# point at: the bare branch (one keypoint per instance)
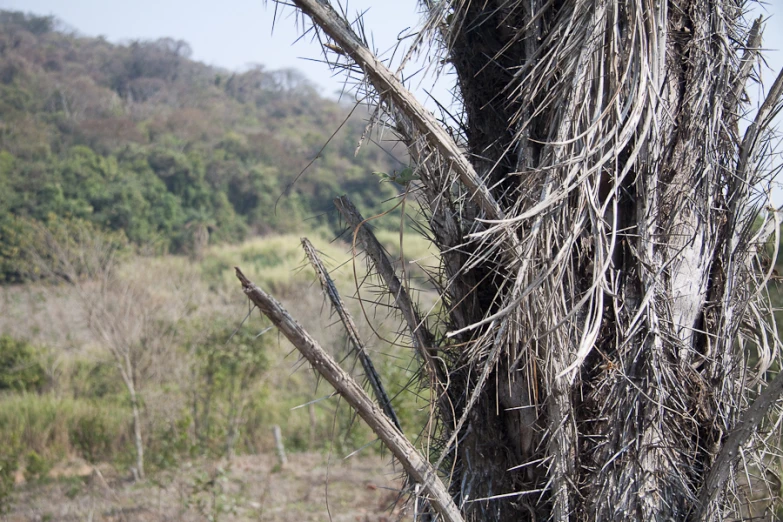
(353, 333)
(422, 338)
(413, 462)
(729, 453)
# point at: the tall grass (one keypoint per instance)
(275, 262)
(85, 411)
(56, 427)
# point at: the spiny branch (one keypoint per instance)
(353, 333)
(391, 88)
(760, 122)
(730, 452)
(422, 338)
(412, 461)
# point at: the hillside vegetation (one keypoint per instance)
(210, 381)
(139, 140)
(132, 181)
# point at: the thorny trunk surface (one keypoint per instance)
(602, 291)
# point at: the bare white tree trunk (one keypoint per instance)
(129, 323)
(138, 442)
(125, 366)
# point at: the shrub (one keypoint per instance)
(91, 436)
(9, 461)
(56, 427)
(19, 371)
(36, 467)
(95, 380)
(169, 443)
(228, 363)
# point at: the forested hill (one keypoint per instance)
(138, 141)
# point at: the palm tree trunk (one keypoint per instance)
(595, 213)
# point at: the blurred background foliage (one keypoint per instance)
(132, 168)
(214, 392)
(140, 140)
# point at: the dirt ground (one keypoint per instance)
(253, 487)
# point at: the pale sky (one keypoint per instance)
(231, 33)
(237, 33)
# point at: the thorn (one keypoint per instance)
(336, 48)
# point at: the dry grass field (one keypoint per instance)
(311, 488)
(70, 438)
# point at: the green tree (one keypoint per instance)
(19, 369)
(229, 362)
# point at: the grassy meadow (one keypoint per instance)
(211, 378)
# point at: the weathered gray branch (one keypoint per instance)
(752, 134)
(422, 339)
(752, 48)
(390, 87)
(353, 333)
(412, 461)
(729, 453)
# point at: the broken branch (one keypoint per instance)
(412, 461)
(353, 333)
(422, 339)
